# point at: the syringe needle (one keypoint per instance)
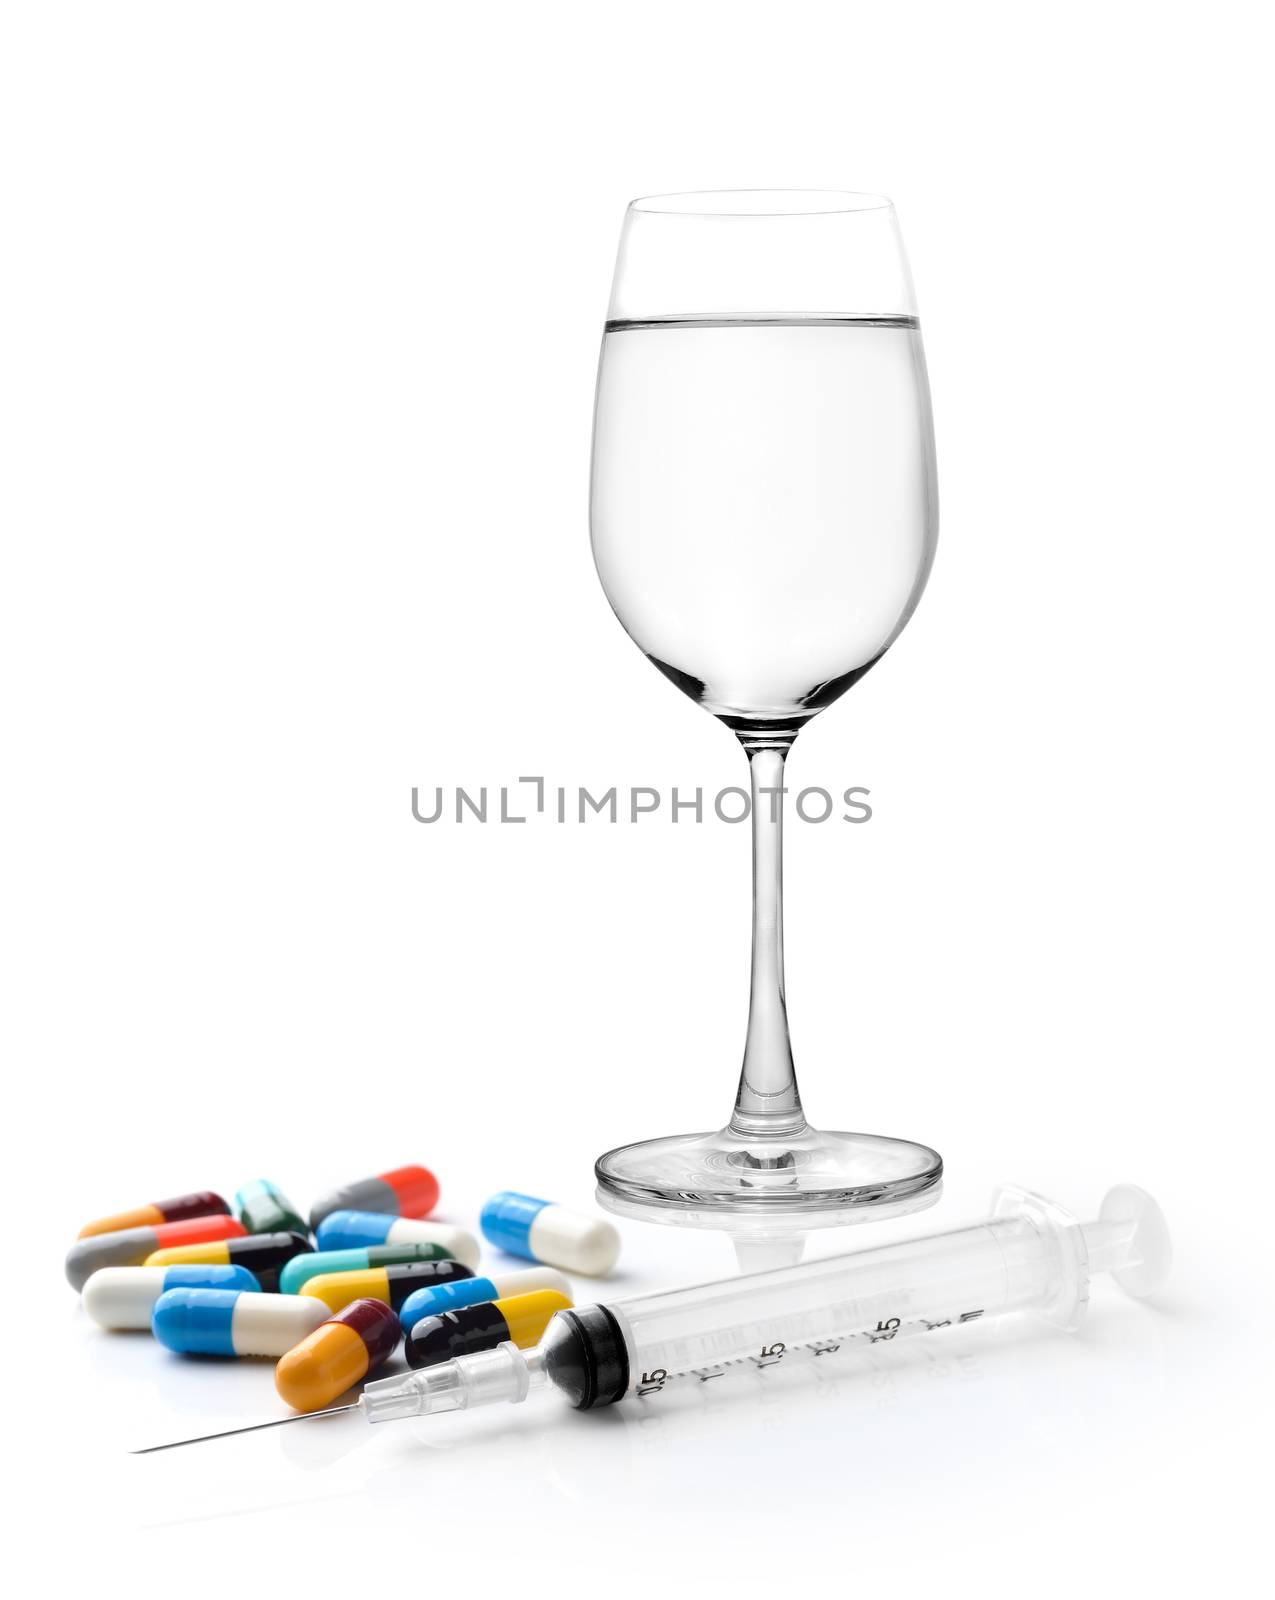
(251, 1427)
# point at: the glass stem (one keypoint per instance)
(768, 1104)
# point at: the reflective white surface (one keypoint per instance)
(301, 319)
(1006, 1429)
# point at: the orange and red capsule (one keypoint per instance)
(203, 1203)
(337, 1355)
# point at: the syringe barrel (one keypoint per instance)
(1002, 1265)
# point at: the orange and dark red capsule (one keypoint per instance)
(337, 1355)
(203, 1203)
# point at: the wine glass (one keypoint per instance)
(764, 513)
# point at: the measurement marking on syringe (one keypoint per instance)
(653, 1381)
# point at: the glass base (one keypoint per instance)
(819, 1178)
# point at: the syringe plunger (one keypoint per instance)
(1130, 1240)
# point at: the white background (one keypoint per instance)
(300, 318)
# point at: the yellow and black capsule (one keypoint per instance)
(390, 1285)
(264, 1255)
(520, 1320)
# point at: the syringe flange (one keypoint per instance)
(1069, 1298)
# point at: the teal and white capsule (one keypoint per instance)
(440, 1297)
(124, 1297)
(539, 1230)
(226, 1322)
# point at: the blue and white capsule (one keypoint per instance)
(124, 1297)
(351, 1230)
(539, 1230)
(440, 1297)
(228, 1322)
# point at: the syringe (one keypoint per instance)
(1029, 1255)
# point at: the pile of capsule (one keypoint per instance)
(331, 1298)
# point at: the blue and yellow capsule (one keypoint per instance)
(520, 1320)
